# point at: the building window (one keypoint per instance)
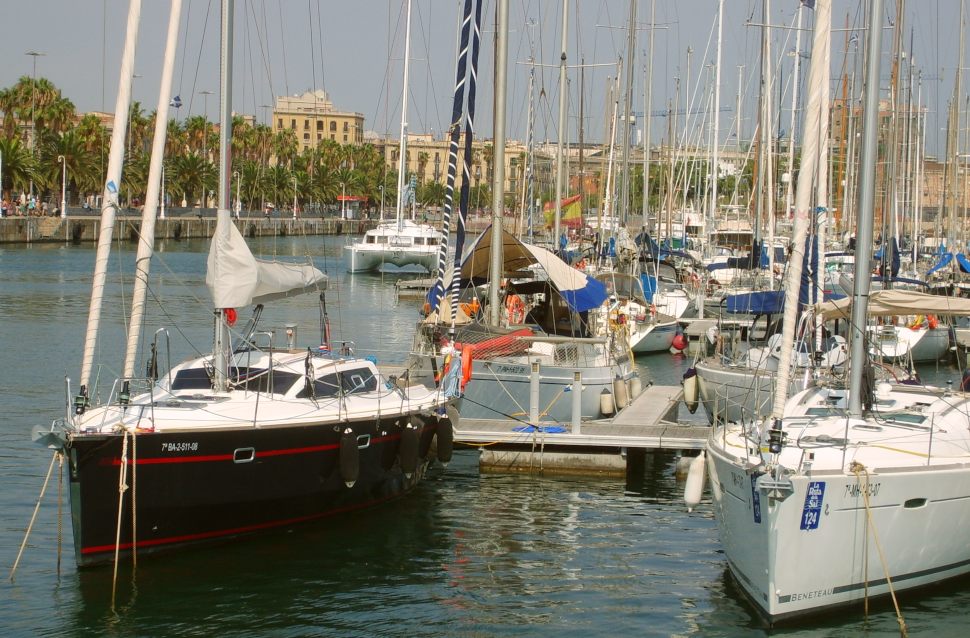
(306, 137)
(345, 138)
(319, 125)
(319, 136)
(279, 123)
(346, 126)
(333, 136)
(293, 124)
(306, 125)
(333, 127)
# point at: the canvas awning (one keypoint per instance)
(580, 291)
(898, 302)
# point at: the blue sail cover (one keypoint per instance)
(945, 260)
(757, 303)
(773, 301)
(649, 283)
(964, 262)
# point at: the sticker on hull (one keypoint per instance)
(812, 511)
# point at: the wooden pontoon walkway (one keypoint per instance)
(649, 422)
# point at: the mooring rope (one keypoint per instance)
(60, 510)
(859, 470)
(33, 517)
(122, 478)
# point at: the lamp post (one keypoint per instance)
(294, 196)
(238, 206)
(33, 85)
(205, 137)
(343, 201)
(62, 160)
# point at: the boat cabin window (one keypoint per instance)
(432, 241)
(382, 239)
(419, 241)
(258, 380)
(369, 239)
(192, 379)
(351, 382)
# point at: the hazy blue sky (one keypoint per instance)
(353, 49)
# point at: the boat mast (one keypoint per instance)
(146, 241)
(401, 161)
(797, 64)
(527, 194)
(953, 145)
(715, 172)
(220, 344)
(562, 123)
(109, 202)
(647, 101)
(498, 172)
(628, 112)
(815, 113)
(867, 173)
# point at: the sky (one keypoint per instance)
(354, 50)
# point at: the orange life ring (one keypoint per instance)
(932, 322)
(515, 309)
(230, 315)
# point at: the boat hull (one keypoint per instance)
(800, 556)
(501, 389)
(192, 486)
(371, 260)
(739, 393)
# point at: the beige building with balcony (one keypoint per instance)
(313, 118)
(427, 159)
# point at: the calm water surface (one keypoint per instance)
(466, 554)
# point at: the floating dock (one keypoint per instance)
(600, 447)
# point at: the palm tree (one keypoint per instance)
(188, 175)
(82, 169)
(18, 165)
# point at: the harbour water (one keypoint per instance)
(466, 554)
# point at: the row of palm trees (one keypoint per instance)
(39, 126)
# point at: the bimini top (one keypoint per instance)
(898, 302)
(580, 291)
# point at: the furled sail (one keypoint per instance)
(236, 278)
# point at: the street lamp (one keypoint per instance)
(60, 158)
(205, 136)
(238, 206)
(294, 197)
(33, 84)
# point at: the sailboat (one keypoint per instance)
(250, 437)
(404, 242)
(861, 497)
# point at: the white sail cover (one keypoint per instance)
(897, 302)
(236, 278)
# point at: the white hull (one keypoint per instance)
(808, 528)
(367, 259)
(655, 337)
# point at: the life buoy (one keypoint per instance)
(230, 315)
(581, 264)
(515, 309)
(467, 354)
(932, 322)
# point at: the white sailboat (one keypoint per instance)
(404, 242)
(839, 504)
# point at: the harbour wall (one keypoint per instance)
(85, 228)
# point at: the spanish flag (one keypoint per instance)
(572, 212)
